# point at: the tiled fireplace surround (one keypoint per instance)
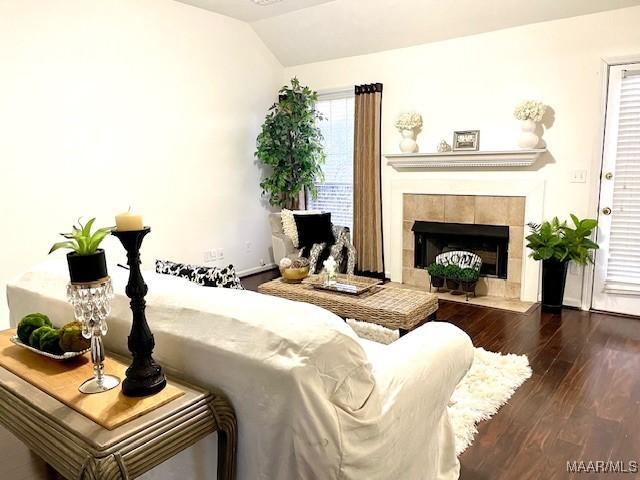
(470, 209)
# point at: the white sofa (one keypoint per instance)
(313, 400)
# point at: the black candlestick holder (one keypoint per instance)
(144, 376)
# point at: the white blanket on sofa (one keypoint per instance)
(312, 401)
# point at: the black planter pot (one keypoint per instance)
(437, 282)
(87, 268)
(554, 277)
(452, 284)
(468, 287)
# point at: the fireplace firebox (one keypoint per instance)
(489, 242)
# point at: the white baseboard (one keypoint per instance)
(261, 268)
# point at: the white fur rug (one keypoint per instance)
(489, 384)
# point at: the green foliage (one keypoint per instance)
(36, 335)
(579, 245)
(558, 241)
(545, 240)
(50, 342)
(468, 275)
(30, 323)
(452, 271)
(436, 269)
(71, 339)
(291, 144)
(81, 240)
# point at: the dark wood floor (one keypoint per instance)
(582, 402)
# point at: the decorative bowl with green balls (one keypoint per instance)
(36, 333)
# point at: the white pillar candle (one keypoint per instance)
(127, 221)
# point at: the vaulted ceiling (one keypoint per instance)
(304, 31)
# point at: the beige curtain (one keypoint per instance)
(367, 187)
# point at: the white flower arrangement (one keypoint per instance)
(409, 121)
(530, 110)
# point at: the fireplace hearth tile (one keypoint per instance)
(515, 211)
(407, 238)
(408, 207)
(407, 257)
(429, 208)
(491, 210)
(512, 290)
(514, 269)
(516, 239)
(459, 208)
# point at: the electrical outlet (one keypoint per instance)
(220, 254)
(247, 247)
(262, 264)
(578, 176)
(209, 256)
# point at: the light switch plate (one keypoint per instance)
(578, 176)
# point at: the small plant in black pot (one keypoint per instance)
(452, 274)
(556, 244)
(87, 263)
(436, 273)
(468, 278)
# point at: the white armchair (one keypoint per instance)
(312, 399)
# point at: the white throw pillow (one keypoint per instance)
(289, 223)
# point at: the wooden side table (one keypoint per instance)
(78, 448)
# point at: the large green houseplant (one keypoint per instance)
(290, 145)
(556, 244)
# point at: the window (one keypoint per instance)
(335, 193)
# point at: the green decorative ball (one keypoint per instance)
(71, 339)
(50, 342)
(36, 335)
(30, 323)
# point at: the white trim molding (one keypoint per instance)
(254, 270)
(526, 185)
(596, 165)
(458, 159)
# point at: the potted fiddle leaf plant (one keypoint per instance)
(436, 275)
(87, 263)
(556, 243)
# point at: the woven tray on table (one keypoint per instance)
(390, 307)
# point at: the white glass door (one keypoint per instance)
(616, 285)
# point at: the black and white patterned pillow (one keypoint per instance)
(224, 277)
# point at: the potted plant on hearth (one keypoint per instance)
(451, 274)
(436, 275)
(87, 263)
(556, 244)
(468, 278)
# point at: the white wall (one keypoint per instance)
(149, 103)
(475, 82)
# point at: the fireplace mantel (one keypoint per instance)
(464, 159)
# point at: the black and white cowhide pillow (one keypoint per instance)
(225, 277)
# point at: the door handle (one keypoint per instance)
(608, 175)
(606, 211)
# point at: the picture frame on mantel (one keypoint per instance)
(466, 140)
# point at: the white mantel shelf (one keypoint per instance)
(467, 158)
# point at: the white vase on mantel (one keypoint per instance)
(408, 143)
(528, 138)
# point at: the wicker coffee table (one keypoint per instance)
(391, 307)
